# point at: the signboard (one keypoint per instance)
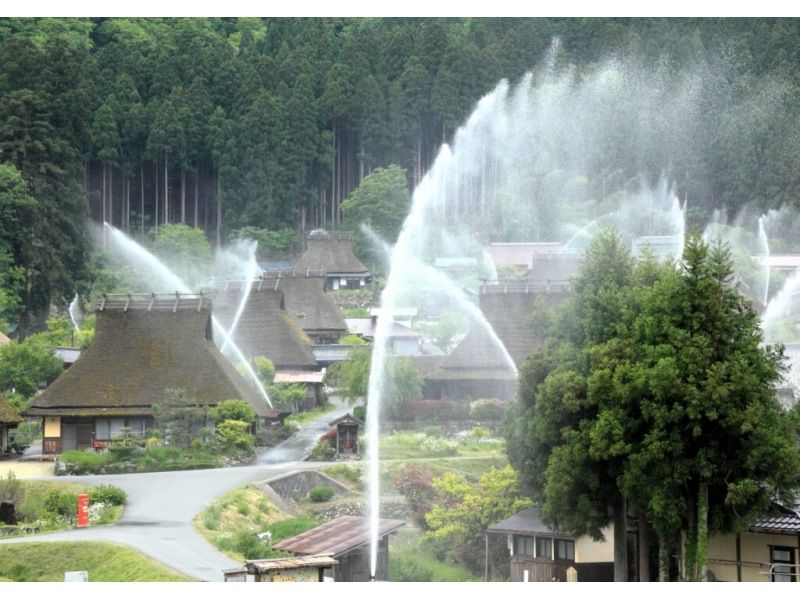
(83, 510)
(76, 576)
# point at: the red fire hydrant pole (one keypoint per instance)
(83, 510)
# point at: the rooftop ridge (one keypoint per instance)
(506, 286)
(153, 302)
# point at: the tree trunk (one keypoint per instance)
(690, 551)
(155, 180)
(620, 541)
(141, 191)
(183, 195)
(702, 532)
(644, 547)
(663, 558)
(333, 171)
(105, 213)
(111, 196)
(196, 193)
(219, 212)
(166, 190)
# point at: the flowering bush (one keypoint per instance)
(414, 482)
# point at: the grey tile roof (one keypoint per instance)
(526, 521)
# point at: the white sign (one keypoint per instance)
(76, 576)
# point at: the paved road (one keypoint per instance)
(158, 517)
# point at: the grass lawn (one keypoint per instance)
(33, 506)
(302, 418)
(411, 560)
(232, 522)
(47, 561)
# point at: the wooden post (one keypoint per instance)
(486, 557)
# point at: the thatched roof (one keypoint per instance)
(508, 309)
(307, 302)
(331, 252)
(143, 347)
(8, 413)
(265, 328)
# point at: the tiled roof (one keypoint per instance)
(526, 521)
(297, 562)
(337, 537)
(331, 353)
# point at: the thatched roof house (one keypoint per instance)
(478, 367)
(9, 418)
(265, 328)
(144, 346)
(307, 302)
(331, 253)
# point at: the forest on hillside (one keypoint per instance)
(226, 123)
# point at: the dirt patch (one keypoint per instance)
(27, 469)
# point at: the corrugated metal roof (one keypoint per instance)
(526, 521)
(331, 353)
(297, 562)
(67, 354)
(337, 537)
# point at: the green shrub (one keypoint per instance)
(61, 503)
(11, 489)
(108, 494)
(320, 493)
(234, 436)
(404, 568)
(233, 410)
(351, 472)
(323, 451)
(251, 547)
(487, 409)
(288, 528)
(85, 462)
(273, 435)
(360, 412)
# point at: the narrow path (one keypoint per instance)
(158, 517)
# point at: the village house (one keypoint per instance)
(9, 418)
(346, 539)
(144, 346)
(264, 328)
(401, 338)
(769, 550)
(332, 254)
(307, 302)
(478, 367)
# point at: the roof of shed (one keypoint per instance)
(295, 562)
(337, 537)
(8, 413)
(526, 521)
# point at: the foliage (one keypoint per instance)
(304, 417)
(411, 559)
(360, 412)
(180, 418)
(26, 365)
(351, 376)
(108, 494)
(265, 370)
(488, 409)
(287, 396)
(445, 329)
(234, 437)
(351, 473)
(184, 249)
(271, 243)
(232, 409)
(431, 410)
(324, 450)
(85, 462)
(353, 339)
(415, 483)
(462, 511)
(320, 493)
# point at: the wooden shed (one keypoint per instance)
(347, 428)
(299, 568)
(346, 539)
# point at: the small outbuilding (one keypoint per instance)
(332, 253)
(299, 568)
(347, 539)
(347, 428)
(9, 418)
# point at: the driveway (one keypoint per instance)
(158, 517)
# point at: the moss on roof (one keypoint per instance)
(308, 303)
(265, 328)
(331, 252)
(138, 355)
(8, 413)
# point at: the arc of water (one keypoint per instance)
(762, 237)
(75, 312)
(252, 268)
(156, 266)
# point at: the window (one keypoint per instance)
(102, 430)
(117, 423)
(523, 545)
(544, 548)
(782, 563)
(565, 550)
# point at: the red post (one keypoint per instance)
(83, 510)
